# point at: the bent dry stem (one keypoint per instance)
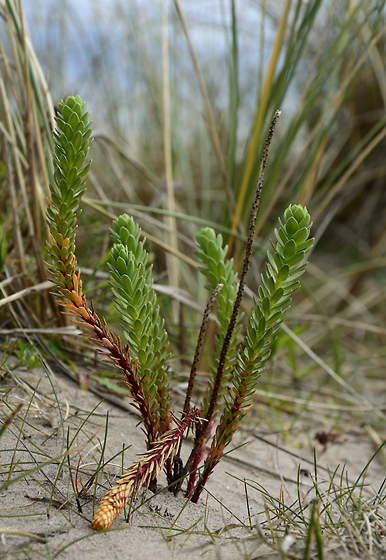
(144, 360)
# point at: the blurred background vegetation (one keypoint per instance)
(181, 94)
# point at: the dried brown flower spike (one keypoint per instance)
(142, 472)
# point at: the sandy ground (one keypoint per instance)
(224, 524)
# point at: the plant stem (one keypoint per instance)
(197, 355)
(200, 341)
(76, 304)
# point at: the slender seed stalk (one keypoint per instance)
(247, 262)
(192, 376)
(218, 269)
(236, 307)
(200, 342)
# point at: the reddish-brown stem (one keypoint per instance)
(223, 436)
(189, 390)
(111, 347)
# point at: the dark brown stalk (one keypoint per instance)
(236, 307)
(200, 342)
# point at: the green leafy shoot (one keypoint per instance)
(280, 281)
(71, 149)
(136, 303)
(72, 145)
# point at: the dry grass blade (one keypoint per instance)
(330, 371)
(24, 534)
(260, 117)
(211, 122)
(43, 286)
(27, 142)
(172, 260)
